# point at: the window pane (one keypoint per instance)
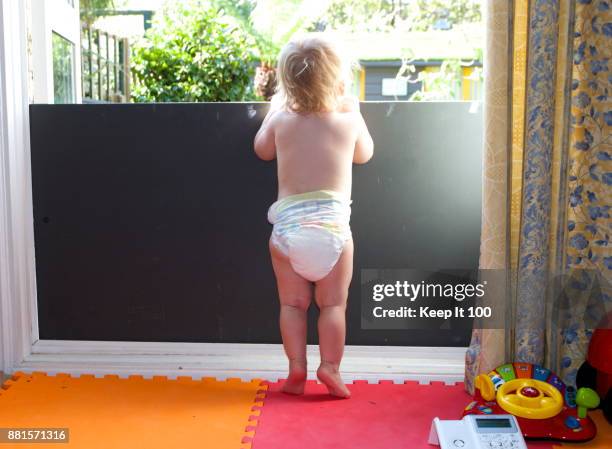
(63, 70)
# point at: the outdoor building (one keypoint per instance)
(381, 56)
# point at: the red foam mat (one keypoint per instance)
(381, 416)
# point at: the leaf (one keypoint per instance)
(279, 20)
(195, 53)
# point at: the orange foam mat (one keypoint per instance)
(134, 412)
(603, 440)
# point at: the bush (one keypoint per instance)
(194, 53)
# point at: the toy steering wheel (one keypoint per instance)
(530, 398)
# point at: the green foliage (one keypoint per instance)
(361, 15)
(194, 52)
(384, 15)
(441, 85)
(272, 23)
(432, 12)
(63, 62)
(90, 9)
(276, 21)
(240, 9)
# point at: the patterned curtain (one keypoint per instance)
(547, 175)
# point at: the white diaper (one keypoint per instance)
(311, 229)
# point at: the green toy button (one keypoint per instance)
(586, 398)
(506, 372)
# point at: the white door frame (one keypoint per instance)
(20, 346)
(48, 17)
(17, 291)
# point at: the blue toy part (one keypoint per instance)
(572, 423)
(570, 396)
(540, 373)
(556, 382)
(497, 380)
(485, 410)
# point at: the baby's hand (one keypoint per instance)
(349, 103)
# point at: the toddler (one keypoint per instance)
(315, 132)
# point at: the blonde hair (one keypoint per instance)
(310, 75)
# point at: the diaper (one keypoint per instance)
(311, 229)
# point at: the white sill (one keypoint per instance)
(245, 361)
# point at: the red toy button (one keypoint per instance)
(530, 392)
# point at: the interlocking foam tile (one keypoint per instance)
(603, 440)
(381, 416)
(133, 413)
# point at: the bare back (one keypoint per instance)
(314, 152)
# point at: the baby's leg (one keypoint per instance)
(331, 294)
(295, 294)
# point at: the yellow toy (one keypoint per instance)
(543, 405)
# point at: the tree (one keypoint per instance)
(444, 14)
(194, 52)
(240, 9)
(385, 15)
(443, 84)
(90, 9)
(359, 15)
(440, 85)
(271, 23)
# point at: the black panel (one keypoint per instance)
(150, 219)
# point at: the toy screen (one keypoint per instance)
(493, 423)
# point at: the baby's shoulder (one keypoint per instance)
(281, 116)
(351, 119)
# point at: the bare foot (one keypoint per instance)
(328, 374)
(297, 378)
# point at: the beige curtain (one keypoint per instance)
(488, 346)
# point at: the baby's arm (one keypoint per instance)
(364, 146)
(349, 103)
(264, 144)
